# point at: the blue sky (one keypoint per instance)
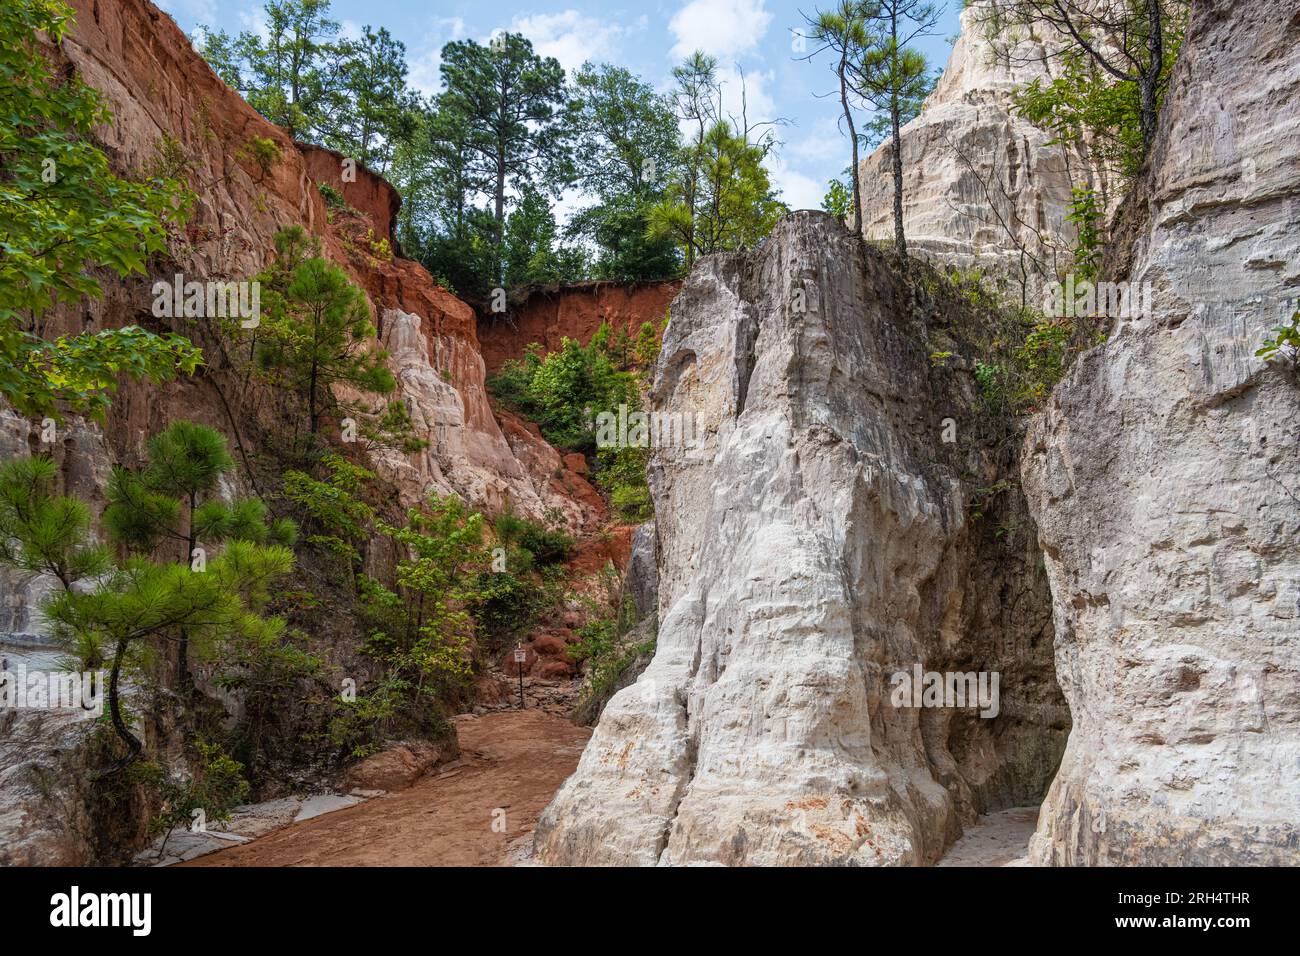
(649, 38)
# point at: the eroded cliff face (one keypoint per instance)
(158, 87)
(168, 104)
(548, 315)
(983, 187)
(1164, 479)
(816, 543)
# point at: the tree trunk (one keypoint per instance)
(1149, 79)
(184, 686)
(853, 139)
(312, 414)
(900, 242)
(114, 707)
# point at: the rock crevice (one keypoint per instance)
(812, 547)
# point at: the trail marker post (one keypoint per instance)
(521, 656)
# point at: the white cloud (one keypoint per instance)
(748, 98)
(721, 28)
(254, 21)
(825, 143)
(571, 37)
(422, 71)
(350, 30)
(799, 191)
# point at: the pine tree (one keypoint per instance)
(171, 500)
(895, 78)
(103, 612)
(316, 331)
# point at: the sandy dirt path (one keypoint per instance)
(996, 839)
(511, 760)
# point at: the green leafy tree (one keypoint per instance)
(292, 75)
(64, 214)
(418, 625)
(439, 221)
(333, 515)
(838, 200)
(564, 390)
(696, 80)
(215, 788)
(531, 254)
(142, 602)
(374, 108)
(1087, 106)
(730, 204)
(1129, 45)
(627, 150)
(316, 331)
(510, 104)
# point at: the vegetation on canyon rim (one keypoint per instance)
(563, 391)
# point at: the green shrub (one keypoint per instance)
(604, 643)
(621, 472)
(217, 786)
(563, 391)
(543, 544)
(1284, 343)
(333, 198)
(335, 519)
(511, 602)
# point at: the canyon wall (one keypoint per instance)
(1165, 479)
(550, 314)
(160, 89)
(983, 188)
(168, 104)
(816, 543)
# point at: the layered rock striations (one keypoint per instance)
(550, 314)
(983, 187)
(162, 92)
(1165, 479)
(171, 110)
(817, 542)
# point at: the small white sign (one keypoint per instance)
(521, 655)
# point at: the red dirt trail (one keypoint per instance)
(514, 760)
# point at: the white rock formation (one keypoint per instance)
(983, 188)
(441, 379)
(1165, 478)
(816, 545)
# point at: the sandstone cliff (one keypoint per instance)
(161, 91)
(169, 106)
(983, 187)
(817, 543)
(548, 315)
(1164, 477)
